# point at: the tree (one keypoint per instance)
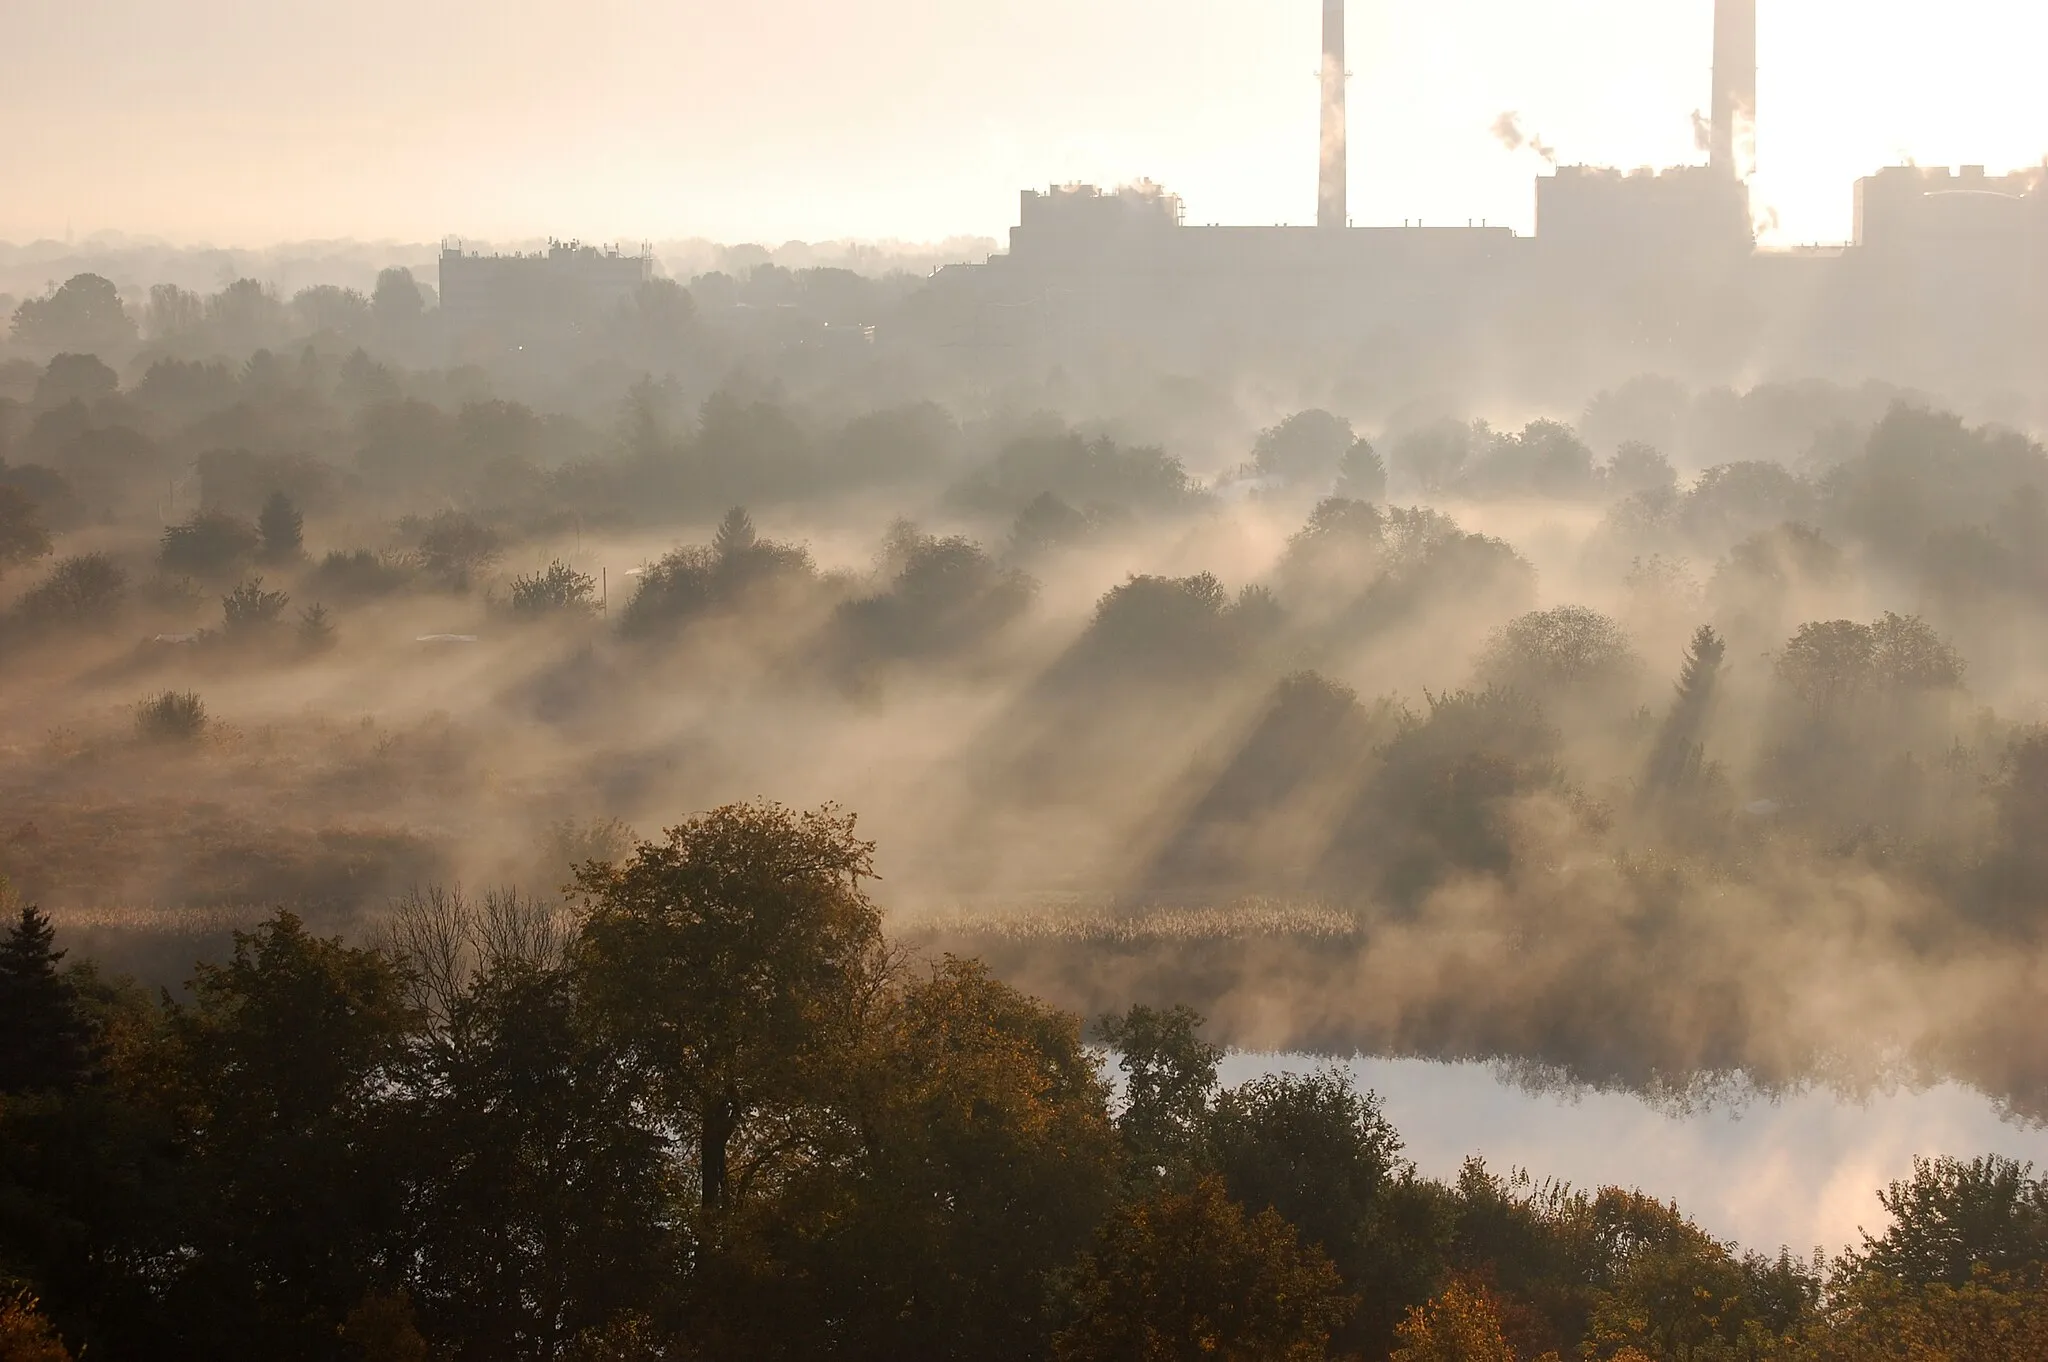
(735, 535)
(1462, 1324)
(1677, 754)
(249, 611)
(946, 594)
(983, 1162)
(316, 630)
(1185, 1275)
(172, 311)
(84, 316)
(455, 545)
(1433, 458)
(1320, 1153)
(733, 960)
(1306, 447)
(1637, 467)
(896, 445)
(287, 1064)
(1362, 476)
(655, 323)
(48, 1040)
(1994, 1317)
(397, 300)
(330, 308)
(23, 537)
(282, 529)
(1952, 1218)
(1046, 523)
(542, 1210)
(560, 589)
(245, 316)
(1568, 654)
(1169, 1076)
(381, 1329)
(75, 378)
(25, 1334)
(87, 588)
(1545, 458)
(209, 544)
(1907, 655)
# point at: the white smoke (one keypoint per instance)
(1507, 130)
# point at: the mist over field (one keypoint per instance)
(597, 801)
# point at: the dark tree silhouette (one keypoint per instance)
(1169, 1077)
(84, 316)
(48, 1042)
(23, 536)
(1678, 755)
(282, 529)
(1188, 1274)
(730, 959)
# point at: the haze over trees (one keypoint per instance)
(1671, 740)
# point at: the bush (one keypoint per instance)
(174, 716)
(695, 580)
(453, 545)
(559, 589)
(85, 589)
(316, 632)
(210, 544)
(23, 537)
(249, 610)
(282, 528)
(26, 1334)
(359, 574)
(946, 594)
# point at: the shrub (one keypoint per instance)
(87, 588)
(26, 1334)
(559, 589)
(210, 544)
(250, 610)
(454, 545)
(316, 633)
(174, 716)
(23, 537)
(282, 528)
(695, 580)
(359, 574)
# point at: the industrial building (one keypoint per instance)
(1657, 269)
(495, 303)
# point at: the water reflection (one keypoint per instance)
(1799, 1171)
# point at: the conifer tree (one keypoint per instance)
(282, 528)
(1677, 756)
(43, 1037)
(735, 535)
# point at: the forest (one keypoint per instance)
(436, 928)
(716, 1112)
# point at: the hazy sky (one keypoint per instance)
(246, 121)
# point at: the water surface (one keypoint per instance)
(1801, 1171)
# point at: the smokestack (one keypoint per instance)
(1734, 122)
(1332, 206)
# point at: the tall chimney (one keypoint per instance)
(1332, 207)
(1734, 147)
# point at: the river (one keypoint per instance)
(1799, 1171)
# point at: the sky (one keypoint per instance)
(239, 122)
